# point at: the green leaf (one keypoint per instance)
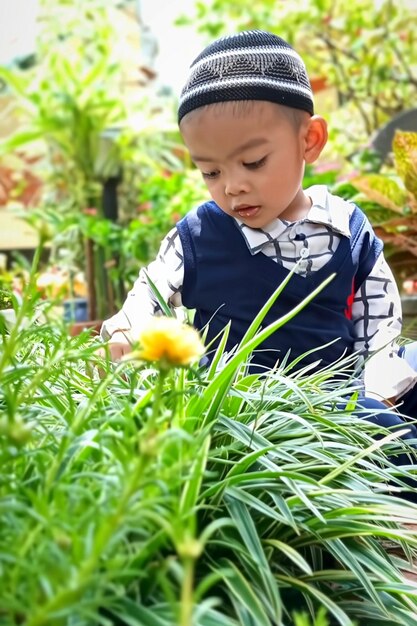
(291, 554)
(363, 453)
(18, 82)
(246, 527)
(382, 190)
(345, 556)
(217, 389)
(159, 298)
(324, 600)
(245, 595)
(20, 139)
(191, 490)
(219, 352)
(133, 614)
(257, 321)
(254, 503)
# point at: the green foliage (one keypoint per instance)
(5, 290)
(164, 198)
(405, 160)
(365, 50)
(191, 497)
(69, 99)
(317, 175)
(79, 115)
(5, 300)
(303, 620)
(133, 240)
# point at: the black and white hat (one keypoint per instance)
(252, 65)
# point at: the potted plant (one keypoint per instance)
(65, 111)
(166, 494)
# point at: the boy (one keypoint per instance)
(246, 115)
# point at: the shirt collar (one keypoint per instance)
(326, 209)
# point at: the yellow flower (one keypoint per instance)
(170, 342)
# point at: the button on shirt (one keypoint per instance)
(311, 242)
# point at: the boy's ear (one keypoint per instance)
(315, 138)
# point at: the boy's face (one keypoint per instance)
(252, 159)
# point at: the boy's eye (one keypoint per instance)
(210, 175)
(255, 164)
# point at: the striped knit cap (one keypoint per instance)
(252, 65)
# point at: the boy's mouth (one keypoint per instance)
(247, 210)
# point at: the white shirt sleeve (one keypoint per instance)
(376, 313)
(167, 273)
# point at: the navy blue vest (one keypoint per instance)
(223, 281)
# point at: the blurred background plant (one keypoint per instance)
(86, 133)
(67, 100)
(5, 299)
(12, 281)
(390, 195)
(394, 194)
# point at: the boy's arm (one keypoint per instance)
(167, 273)
(377, 314)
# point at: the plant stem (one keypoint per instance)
(186, 611)
(105, 532)
(156, 405)
(90, 274)
(102, 537)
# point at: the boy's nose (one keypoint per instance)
(235, 185)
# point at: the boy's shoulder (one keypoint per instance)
(322, 196)
(365, 246)
(342, 213)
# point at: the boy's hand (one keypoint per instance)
(117, 346)
(118, 349)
